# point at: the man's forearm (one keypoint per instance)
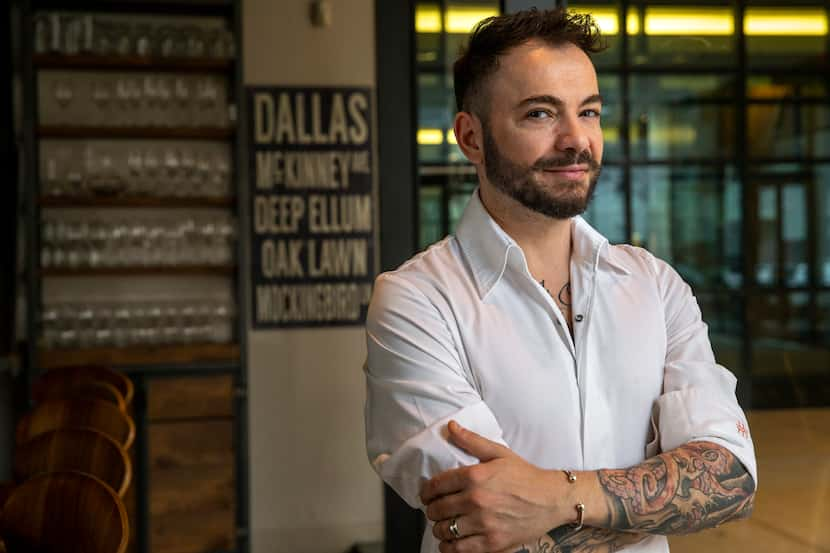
(691, 488)
(696, 486)
(586, 540)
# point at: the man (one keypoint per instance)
(531, 387)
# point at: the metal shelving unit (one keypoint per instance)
(145, 364)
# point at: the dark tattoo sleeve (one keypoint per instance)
(587, 540)
(696, 486)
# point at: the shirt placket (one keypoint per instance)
(583, 287)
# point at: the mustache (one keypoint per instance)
(572, 158)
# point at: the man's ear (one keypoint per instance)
(470, 136)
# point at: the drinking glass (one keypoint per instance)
(101, 96)
(142, 39)
(64, 93)
(152, 165)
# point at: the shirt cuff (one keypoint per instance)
(430, 453)
(694, 414)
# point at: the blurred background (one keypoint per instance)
(126, 213)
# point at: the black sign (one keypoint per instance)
(313, 206)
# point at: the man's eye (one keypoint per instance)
(538, 114)
(591, 113)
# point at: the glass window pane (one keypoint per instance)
(824, 319)
(784, 316)
(609, 87)
(428, 33)
(606, 212)
(683, 215)
(785, 36)
(722, 313)
(770, 87)
(690, 35)
(680, 116)
(794, 234)
(431, 220)
(436, 110)
(766, 269)
(459, 197)
(822, 206)
(782, 243)
(788, 130)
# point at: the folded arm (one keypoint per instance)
(504, 502)
(694, 487)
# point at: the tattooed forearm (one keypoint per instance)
(696, 486)
(587, 540)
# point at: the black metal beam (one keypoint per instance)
(397, 125)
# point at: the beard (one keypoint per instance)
(561, 200)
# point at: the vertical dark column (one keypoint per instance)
(749, 212)
(243, 202)
(8, 157)
(8, 278)
(397, 125)
(396, 128)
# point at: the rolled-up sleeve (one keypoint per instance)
(698, 400)
(415, 384)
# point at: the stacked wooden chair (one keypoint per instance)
(72, 466)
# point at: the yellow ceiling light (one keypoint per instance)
(785, 22)
(632, 21)
(451, 137)
(689, 21)
(430, 137)
(676, 134)
(427, 19)
(463, 19)
(608, 21)
(610, 134)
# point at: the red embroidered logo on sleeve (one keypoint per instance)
(742, 430)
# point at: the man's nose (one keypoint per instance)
(571, 135)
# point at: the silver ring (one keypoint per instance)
(454, 528)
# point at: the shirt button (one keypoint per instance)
(579, 318)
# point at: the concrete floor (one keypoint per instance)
(792, 506)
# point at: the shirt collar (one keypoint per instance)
(488, 248)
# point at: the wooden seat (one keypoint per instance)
(82, 450)
(6, 488)
(64, 512)
(76, 413)
(67, 375)
(86, 389)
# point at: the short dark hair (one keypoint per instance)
(494, 36)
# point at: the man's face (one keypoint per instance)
(542, 140)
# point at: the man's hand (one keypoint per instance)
(498, 504)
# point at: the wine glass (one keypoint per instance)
(195, 41)
(152, 100)
(152, 165)
(43, 33)
(188, 174)
(64, 93)
(135, 173)
(142, 39)
(182, 95)
(123, 39)
(165, 93)
(172, 169)
(101, 96)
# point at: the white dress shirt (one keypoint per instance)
(463, 331)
